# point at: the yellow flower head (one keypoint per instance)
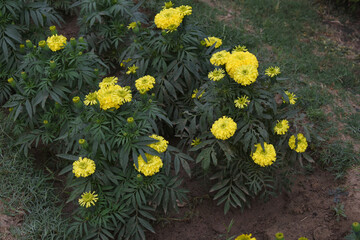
(83, 167)
(185, 10)
(245, 74)
(42, 43)
(82, 141)
(219, 58)
(76, 99)
(237, 59)
(281, 127)
(209, 41)
(264, 157)
(159, 146)
(223, 128)
(113, 96)
(245, 237)
(90, 99)
(87, 199)
(152, 166)
(132, 69)
(195, 142)
(239, 48)
(292, 97)
(169, 19)
(56, 42)
(272, 71)
(195, 92)
(216, 75)
(145, 83)
(108, 81)
(45, 122)
(301, 143)
(52, 28)
(242, 102)
(132, 25)
(10, 80)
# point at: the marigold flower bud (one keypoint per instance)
(23, 75)
(279, 236)
(81, 39)
(22, 46)
(356, 227)
(10, 80)
(53, 30)
(42, 43)
(76, 99)
(130, 120)
(96, 71)
(80, 53)
(52, 64)
(29, 43)
(73, 42)
(45, 122)
(139, 177)
(82, 141)
(10, 109)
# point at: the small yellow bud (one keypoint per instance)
(10, 80)
(82, 141)
(45, 122)
(76, 99)
(130, 120)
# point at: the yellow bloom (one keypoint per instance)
(242, 102)
(132, 25)
(301, 143)
(281, 127)
(239, 48)
(45, 122)
(56, 42)
(83, 167)
(245, 237)
(87, 199)
(264, 157)
(145, 83)
(237, 59)
(10, 80)
(169, 19)
(108, 81)
(216, 75)
(195, 142)
(130, 119)
(82, 141)
(223, 128)
(76, 99)
(209, 41)
(185, 10)
(272, 71)
(292, 97)
(245, 75)
(152, 166)
(168, 5)
(159, 146)
(42, 43)
(195, 92)
(90, 99)
(132, 69)
(52, 28)
(219, 58)
(113, 96)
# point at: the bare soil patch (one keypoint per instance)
(8, 221)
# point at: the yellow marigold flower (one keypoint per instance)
(52, 28)
(10, 80)
(159, 146)
(245, 75)
(195, 142)
(87, 199)
(108, 81)
(83, 167)
(132, 69)
(292, 97)
(22, 46)
(168, 19)
(113, 96)
(145, 83)
(237, 59)
(219, 58)
(90, 99)
(82, 141)
(223, 128)
(185, 10)
(272, 71)
(245, 237)
(209, 41)
(264, 157)
(239, 48)
(76, 99)
(150, 167)
(242, 102)
(42, 43)
(281, 127)
(303, 238)
(301, 143)
(216, 75)
(168, 5)
(132, 25)
(45, 122)
(56, 42)
(195, 92)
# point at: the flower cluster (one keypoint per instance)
(301, 143)
(159, 146)
(150, 167)
(171, 18)
(87, 199)
(281, 127)
(264, 157)
(83, 167)
(223, 128)
(56, 42)
(145, 83)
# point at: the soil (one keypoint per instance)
(7, 221)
